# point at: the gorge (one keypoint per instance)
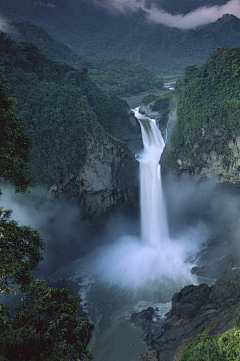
(130, 272)
(125, 266)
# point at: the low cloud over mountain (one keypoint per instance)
(198, 17)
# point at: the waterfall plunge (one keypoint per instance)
(153, 261)
(153, 211)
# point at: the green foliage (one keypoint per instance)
(122, 76)
(20, 253)
(93, 32)
(215, 348)
(45, 327)
(208, 105)
(14, 141)
(62, 108)
(229, 344)
(203, 348)
(113, 76)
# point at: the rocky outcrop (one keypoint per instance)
(107, 181)
(195, 310)
(162, 118)
(211, 165)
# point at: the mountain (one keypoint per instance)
(206, 138)
(76, 129)
(184, 7)
(92, 30)
(113, 76)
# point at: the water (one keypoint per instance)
(153, 210)
(133, 273)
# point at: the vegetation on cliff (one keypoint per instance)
(62, 106)
(45, 325)
(208, 105)
(222, 347)
(14, 141)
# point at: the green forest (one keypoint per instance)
(46, 324)
(61, 106)
(92, 32)
(113, 75)
(203, 125)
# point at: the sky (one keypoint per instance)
(198, 17)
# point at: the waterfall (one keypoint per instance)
(154, 226)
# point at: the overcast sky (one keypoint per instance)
(193, 19)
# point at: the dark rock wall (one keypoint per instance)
(108, 181)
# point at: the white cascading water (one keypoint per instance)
(154, 224)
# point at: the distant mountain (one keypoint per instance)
(184, 6)
(91, 30)
(114, 76)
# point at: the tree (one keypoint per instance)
(20, 253)
(45, 327)
(14, 141)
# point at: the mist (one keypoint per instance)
(57, 221)
(198, 17)
(197, 212)
(3, 25)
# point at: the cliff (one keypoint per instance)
(75, 129)
(210, 165)
(205, 143)
(107, 181)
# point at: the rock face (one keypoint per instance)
(107, 181)
(206, 166)
(195, 310)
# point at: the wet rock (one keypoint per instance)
(149, 356)
(195, 310)
(221, 267)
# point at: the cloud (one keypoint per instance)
(4, 27)
(198, 17)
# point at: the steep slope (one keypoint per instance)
(69, 118)
(206, 139)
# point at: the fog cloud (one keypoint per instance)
(58, 223)
(4, 27)
(198, 17)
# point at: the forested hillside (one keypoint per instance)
(208, 108)
(93, 31)
(205, 140)
(113, 76)
(61, 106)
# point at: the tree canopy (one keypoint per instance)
(15, 142)
(62, 108)
(20, 253)
(208, 105)
(45, 325)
